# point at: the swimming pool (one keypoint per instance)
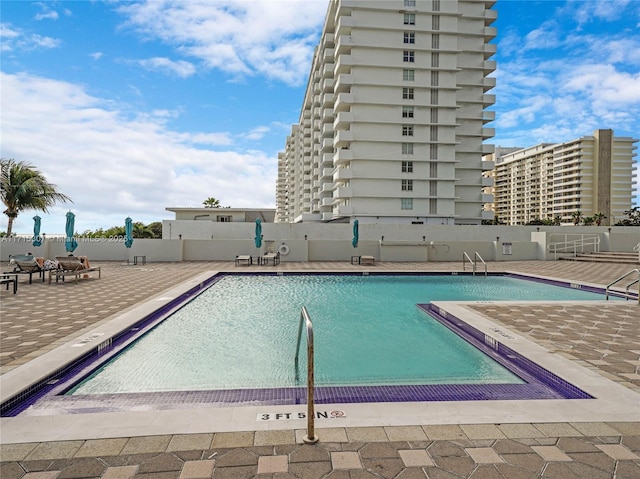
(480, 288)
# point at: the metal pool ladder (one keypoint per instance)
(310, 437)
(627, 294)
(474, 262)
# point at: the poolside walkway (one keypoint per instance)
(602, 338)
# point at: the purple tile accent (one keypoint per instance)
(540, 383)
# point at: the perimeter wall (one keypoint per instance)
(202, 241)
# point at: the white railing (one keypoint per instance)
(581, 244)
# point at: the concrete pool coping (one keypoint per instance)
(614, 402)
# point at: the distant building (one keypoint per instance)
(392, 123)
(592, 174)
(224, 215)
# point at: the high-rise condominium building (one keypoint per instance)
(592, 175)
(393, 120)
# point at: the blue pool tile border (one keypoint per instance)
(539, 383)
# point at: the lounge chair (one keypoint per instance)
(367, 260)
(363, 259)
(27, 264)
(7, 279)
(244, 258)
(71, 266)
(273, 257)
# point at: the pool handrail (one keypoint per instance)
(310, 437)
(474, 262)
(627, 294)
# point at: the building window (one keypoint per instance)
(436, 5)
(407, 130)
(409, 18)
(434, 115)
(407, 185)
(435, 22)
(407, 93)
(435, 59)
(408, 75)
(407, 166)
(409, 56)
(434, 97)
(409, 3)
(223, 219)
(409, 37)
(407, 112)
(433, 152)
(407, 148)
(406, 203)
(433, 206)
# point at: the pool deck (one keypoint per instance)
(596, 343)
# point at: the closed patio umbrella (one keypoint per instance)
(128, 232)
(37, 241)
(356, 234)
(258, 238)
(70, 242)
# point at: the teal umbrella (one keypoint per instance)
(128, 232)
(70, 242)
(356, 235)
(258, 238)
(37, 241)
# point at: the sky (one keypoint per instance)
(133, 107)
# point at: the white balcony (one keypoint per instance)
(343, 119)
(342, 138)
(488, 165)
(344, 82)
(343, 64)
(327, 172)
(343, 155)
(343, 192)
(487, 182)
(342, 174)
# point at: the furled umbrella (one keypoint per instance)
(356, 234)
(128, 232)
(37, 240)
(70, 242)
(258, 238)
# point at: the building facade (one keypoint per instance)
(393, 120)
(591, 175)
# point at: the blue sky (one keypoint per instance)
(132, 107)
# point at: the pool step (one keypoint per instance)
(606, 257)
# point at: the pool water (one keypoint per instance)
(241, 333)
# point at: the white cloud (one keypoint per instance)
(46, 13)
(15, 39)
(96, 55)
(113, 167)
(271, 38)
(180, 68)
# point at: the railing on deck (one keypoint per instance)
(474, 262)
(584, 242)
(310, 437)
(627, 293)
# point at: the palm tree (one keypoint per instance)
(23, 188)
(576, 216)
(599, 218)
(211, 203)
